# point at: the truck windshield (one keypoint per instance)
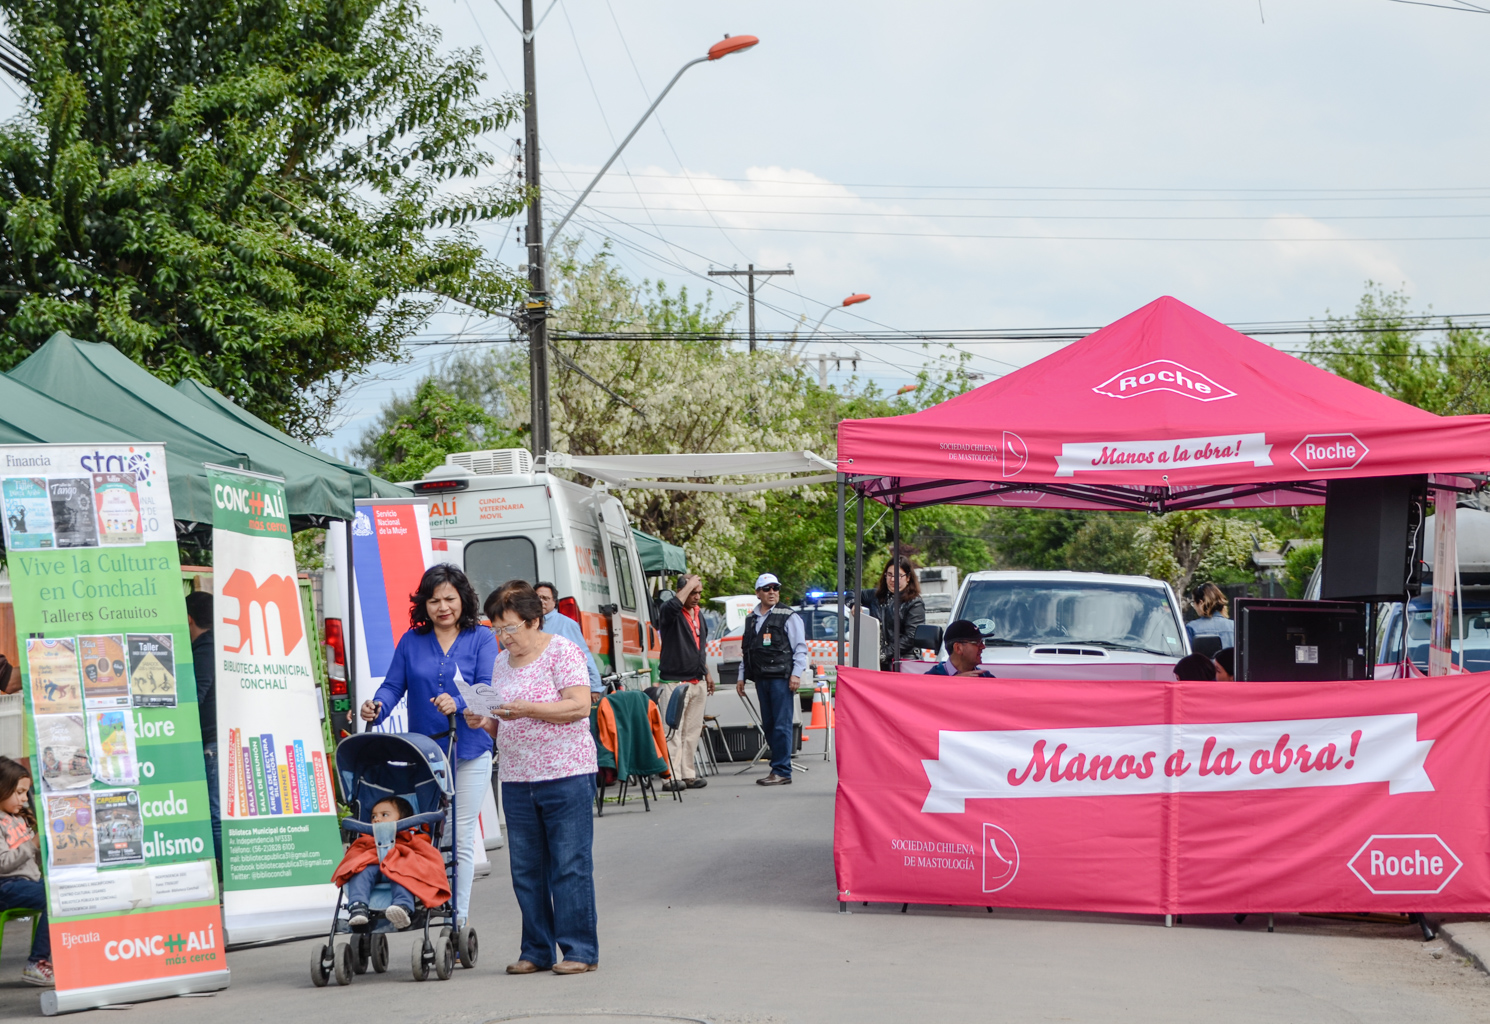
(1473, 650)
(1021, 612)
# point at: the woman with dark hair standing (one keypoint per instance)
(1211, 620)
(445, 637)
(880, 602)
(548, 783)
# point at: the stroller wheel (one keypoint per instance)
(421, 953)
(343, 958)
(361, 951)
(320, 965)
(380, 953)
(445, 956)
(465, 945)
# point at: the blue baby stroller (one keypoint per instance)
(373, 766)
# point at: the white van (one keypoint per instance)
(501, 521)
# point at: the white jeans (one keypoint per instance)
(472, 777)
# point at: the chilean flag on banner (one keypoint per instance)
(390, 550)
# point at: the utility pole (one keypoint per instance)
(750, 274)
(537, 305)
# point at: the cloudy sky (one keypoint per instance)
(994, 165)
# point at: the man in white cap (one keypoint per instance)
(773, 655)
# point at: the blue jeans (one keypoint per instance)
(550, 832)
(776, 696)
(22, 892)
(214, 800)
(360, 886)
(472, 777)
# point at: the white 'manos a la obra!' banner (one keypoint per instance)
(1216, 758)
(1166, 453)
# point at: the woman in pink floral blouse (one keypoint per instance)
(547, 770)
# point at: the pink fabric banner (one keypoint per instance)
(1164, 797)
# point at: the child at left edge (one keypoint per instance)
(20, 866)
(413, 868)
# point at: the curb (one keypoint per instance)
(1471, 939)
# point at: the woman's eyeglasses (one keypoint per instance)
(506, 632)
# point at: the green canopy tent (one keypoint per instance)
(364, 484)
(29, 417)
(98, 379)
(658, 556)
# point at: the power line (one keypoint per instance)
(1075, 216)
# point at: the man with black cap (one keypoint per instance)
(773, 653)
(964, 652)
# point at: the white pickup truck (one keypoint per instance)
(1070, 625)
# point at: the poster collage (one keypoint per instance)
(84, 693)
(48, 513)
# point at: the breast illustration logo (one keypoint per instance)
(1000, 858)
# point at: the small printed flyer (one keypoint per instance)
(53, 668)
(118, 505)
(28, 514)
(72, 512)
(63, 743)
(105, 672)
(120, 827)
(152, 670)
(70, 838)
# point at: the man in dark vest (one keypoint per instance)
(773, 654)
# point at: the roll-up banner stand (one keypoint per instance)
(281, 836)
(391, 549)
(1445, 581)
(119, 787)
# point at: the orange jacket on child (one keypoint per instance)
(413, 863)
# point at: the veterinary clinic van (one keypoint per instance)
(502, 520)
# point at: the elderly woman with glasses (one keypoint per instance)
(548, 783)
(444, 637)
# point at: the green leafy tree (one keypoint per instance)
(428, 426)
(256, 194)
(1200, 545)
(1381, 348)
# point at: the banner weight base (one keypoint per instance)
(71, 1000)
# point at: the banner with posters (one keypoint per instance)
(281, 835)
(1164, 797)
(391, 548)
(115, 746)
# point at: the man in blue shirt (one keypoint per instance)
(773, 655)
(964, 652)
(556, 622)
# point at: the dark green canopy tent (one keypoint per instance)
(99, 380)
(364, 484)
(658, 556)
(29, 417)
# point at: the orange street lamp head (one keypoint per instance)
(731, 44)
(856, 298)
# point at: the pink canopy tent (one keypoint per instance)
(1165, 409)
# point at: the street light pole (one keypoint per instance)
(537, 305)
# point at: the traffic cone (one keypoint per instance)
(819, 711)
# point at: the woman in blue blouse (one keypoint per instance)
(444, 636)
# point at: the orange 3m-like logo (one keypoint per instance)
(277, 591)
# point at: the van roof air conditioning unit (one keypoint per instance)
(494, 461)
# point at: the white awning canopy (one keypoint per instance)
(686, 471)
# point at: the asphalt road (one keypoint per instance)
(722, 909)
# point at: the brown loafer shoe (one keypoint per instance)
(573, 967)
(774, 780)
(523, 967)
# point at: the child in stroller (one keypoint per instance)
(411, 868)
(399, 787)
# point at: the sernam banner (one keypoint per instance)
(1164, 797)
(111, 722)
(280, 831)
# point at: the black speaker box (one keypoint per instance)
(1301, 641)
(1373, 535)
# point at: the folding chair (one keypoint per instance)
(765, 747)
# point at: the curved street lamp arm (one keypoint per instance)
(553, 234)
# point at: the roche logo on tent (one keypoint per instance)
(1405, 864)
(1163, 375)
(1328, 453)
